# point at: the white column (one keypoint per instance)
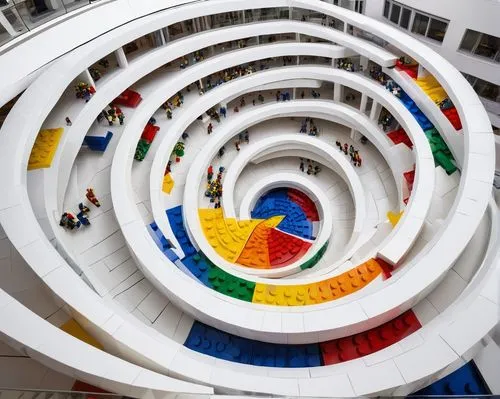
(162, 37)
(375, 111)
(166, 34)
(243, 16)
(193, 23)
(297, 37)
(363, 61)
(337, 92)
(364, 100)
(352, 135)
(290, 12)
(294, 92)
(86, 77)
(6, 24)
(121, 57)
(207, 24)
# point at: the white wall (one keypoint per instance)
(479, 15)
(21, 372)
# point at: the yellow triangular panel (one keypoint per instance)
(227, 236)
(76, 330)
(394, 217)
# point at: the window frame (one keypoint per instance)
(495, 58)
(429, 27)
(389, 2)
(399, 13)
(411, 20)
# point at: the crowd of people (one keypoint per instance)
(243, 137)
(283, 96)
(312, 167)
(84, 91)
(111, 115)
(214, 187)
(386, 120)
(308, 126)
(174, 102)
(226, 75)
(70, 221)
(346, 64)
(353, 153)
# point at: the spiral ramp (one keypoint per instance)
(297, 283)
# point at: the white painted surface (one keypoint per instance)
(33, 246)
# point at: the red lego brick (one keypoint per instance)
(411, 70)
(305, 203)
(452, 115)
(149, 132)
(371, 341)
(410, 178)
(284, 249)
(400, 136)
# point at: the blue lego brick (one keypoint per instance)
(216, 343)
(176, 223)
(98, 143)
(170, 255)
(162, 242)
(419, 116)
(277, 203)
(198, 266)
(467, 380)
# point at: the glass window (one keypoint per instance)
(395, 13)
(360, 5)
(471, 79)
(437, 29)
(486, 89)
(405, 18)
(387, 7)
(420, 24)
(469, 40)
(488, 46)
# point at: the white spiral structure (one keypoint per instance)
(176, 296)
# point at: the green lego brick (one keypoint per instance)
(230, 285)
(315, 259)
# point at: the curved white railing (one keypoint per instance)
(329, 155)
(471, 201)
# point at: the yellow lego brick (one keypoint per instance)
(227, 236)
(323, 291)
(273, 221)
(73, 328)
(168, 184)
(394, 217)
(432, 88)
(44, 149)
